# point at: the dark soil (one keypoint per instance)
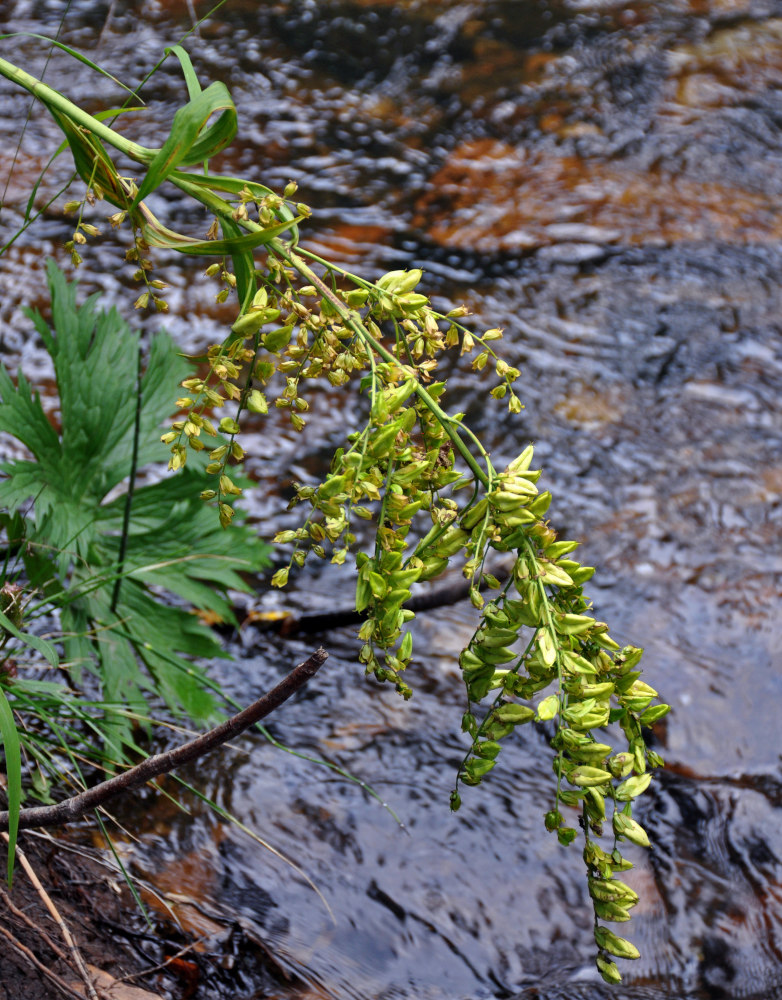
(95, 907)
(112, 935)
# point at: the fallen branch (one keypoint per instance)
(162, 763)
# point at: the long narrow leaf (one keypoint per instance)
(100, 116)
(76, 55)
(244, 266)
(13, 775)
(43, 647)
(186, 144)
(158, 235)
(193, 86)
(91, 160)
(235, 185)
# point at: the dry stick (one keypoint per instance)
(78, 962)
(30, 957)
(162, 763)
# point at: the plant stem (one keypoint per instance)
(54, 101)
(123, 542)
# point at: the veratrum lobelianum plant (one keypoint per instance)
(301, 320)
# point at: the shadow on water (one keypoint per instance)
(601, 179)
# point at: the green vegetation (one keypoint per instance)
(413, 471)
(102, 562)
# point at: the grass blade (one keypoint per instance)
(193, 86)
(43, 647)
(76, 55)
(13, 774)
(157, 235)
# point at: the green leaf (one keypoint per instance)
(75, 54)
(13, 774)
(235, 185)
(33, 641)
(158, 235)
(21, 414)
(92, 162)
(193, 86)
(244, 266)
(174, 545)
(189, 142)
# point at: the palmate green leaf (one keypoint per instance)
(176, 543)
(145, 630)
(63, 527)
(122, 683)
(142, 646)
(95, 357)
(21, 414)
(165, 638)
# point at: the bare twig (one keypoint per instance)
(76, 960)
(153, 767)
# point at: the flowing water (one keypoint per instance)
(603, 180)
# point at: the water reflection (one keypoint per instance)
(601, 179)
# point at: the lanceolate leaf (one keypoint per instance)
(188, 144)
(193, 86)
(244, 266)
(74, 53)
(235, 185)
(93, 163)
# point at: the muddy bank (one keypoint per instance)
(94, 905)
(175, 950)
